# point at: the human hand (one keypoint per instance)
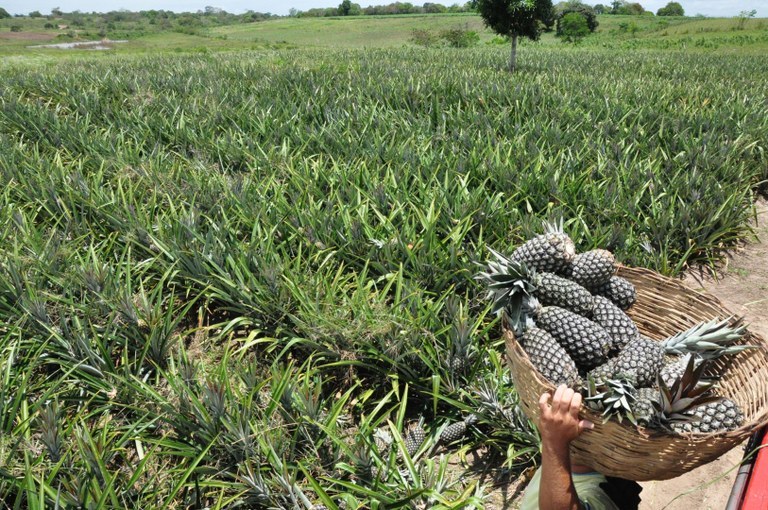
(559, 423)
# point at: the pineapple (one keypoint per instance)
(673, 405)
(719, 416)
(457, 430)
(673, 369)
(550, 252)
(549, 358)
(619, 290)
(585, 341)
(642, 359)
(615, 321)
(602, 373)
(644, 408)
(592, 269)
(414, 438)
(508, 279)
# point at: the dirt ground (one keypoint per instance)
(27, 36)
(742, 286)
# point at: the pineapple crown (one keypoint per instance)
(614, 397)
(709, 340)
(676, 402)
(510, 286)
(554, 227)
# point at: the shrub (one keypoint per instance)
(15, 28)
(577, 7)
(573, 27)
(422, 37)
(460, 37)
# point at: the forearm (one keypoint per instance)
(556, 491)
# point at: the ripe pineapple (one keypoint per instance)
(673, 369)
(674, 405)
(615, 321)
(549, 357)
(585, 341)
(508, 279)
(602, 373)
(550, 252)
(619, 290)
(592, 269)
(642, 359)
(456, 431)
(721, 415)
(644, 408)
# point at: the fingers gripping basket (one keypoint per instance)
(663, 308)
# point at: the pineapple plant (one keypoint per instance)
(550, 358)
(592, 269)
(619, 290)
(550, 252)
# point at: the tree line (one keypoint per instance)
(348, 8)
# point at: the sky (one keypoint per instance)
(725, 8)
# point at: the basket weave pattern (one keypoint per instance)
(664, 307)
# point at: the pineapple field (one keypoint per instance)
(251, 279)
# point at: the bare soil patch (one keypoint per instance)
(27, 36)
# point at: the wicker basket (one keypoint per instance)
(663, 308)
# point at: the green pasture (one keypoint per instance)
(650, 32)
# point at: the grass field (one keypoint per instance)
(689, 34)
(239, 277)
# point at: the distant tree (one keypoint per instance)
(516, 18)
(573, 27)
(4, 13)
(671, 9)
(345, 7)
(615, 6)
(432, 8)
(35, 14)
(626, 8)
(742, 18)
(600, 9)
(564, 8)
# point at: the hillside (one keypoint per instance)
(614, 32)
